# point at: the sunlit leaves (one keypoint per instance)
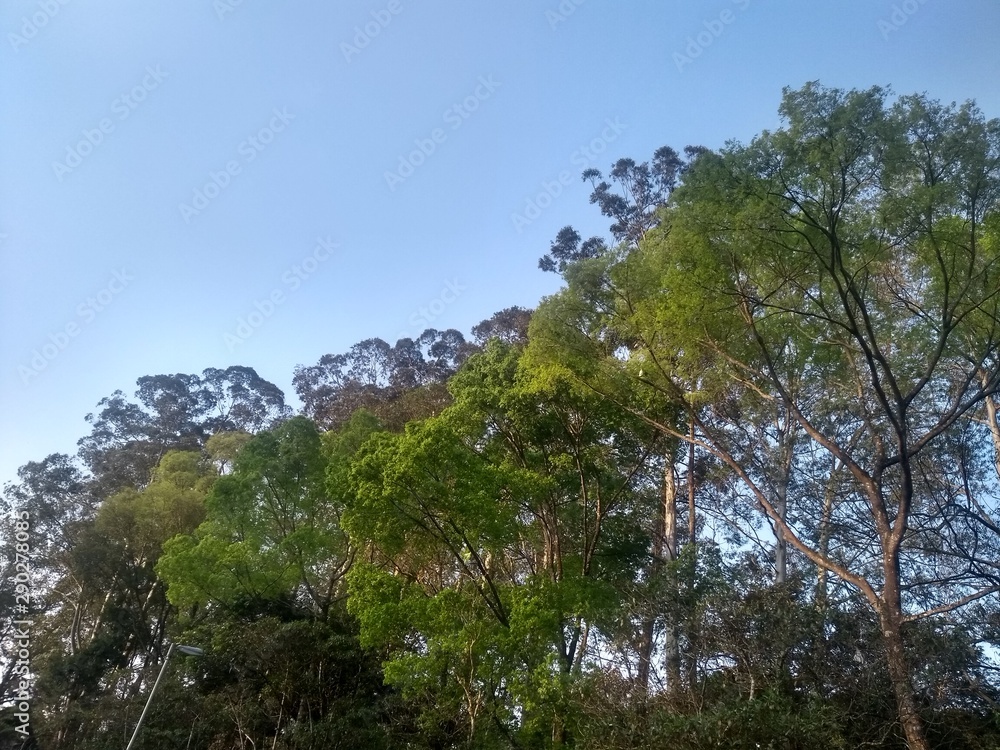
(271, 528)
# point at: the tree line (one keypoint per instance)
(736, 484)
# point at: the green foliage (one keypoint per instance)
(770, 720)
(304, 682)
(223, 447)
(173, 503)
(734, 486)
(271, 528)
(498, 535)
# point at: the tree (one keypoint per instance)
(396, 383)
(642, 191)
(586, 333)
(510, 325)
(271, 530)
(175, 412)
(242, 401)
(595, 320)
(843, 275)
(45, 515)
(101, 615)
(500, 541)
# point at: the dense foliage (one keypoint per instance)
(737, 485)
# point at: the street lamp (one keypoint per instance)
(190, 651)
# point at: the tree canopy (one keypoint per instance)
(736, 484)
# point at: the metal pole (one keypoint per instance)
(149, 701)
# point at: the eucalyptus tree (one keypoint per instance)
(596, 314)
(396, 382)
(173, 412)
(633, 200)
(510, 325)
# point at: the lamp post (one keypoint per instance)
(191, 651)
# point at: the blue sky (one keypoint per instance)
(169, 170)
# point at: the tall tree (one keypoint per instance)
(843, 274)
(397, 383)
(101, 615)
(271, 530)
(174, 412)
(500, 540)
(633, 200)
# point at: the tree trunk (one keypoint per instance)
(890, 612)
(994, 425)
(664, 549)
(692, 520)
(823, 543)
(645, 653)
(780, 544)
(672, 655)
(899, 673)
(693, 624)
(821, 596)
(786, 447)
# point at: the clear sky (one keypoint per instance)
(378, 166)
